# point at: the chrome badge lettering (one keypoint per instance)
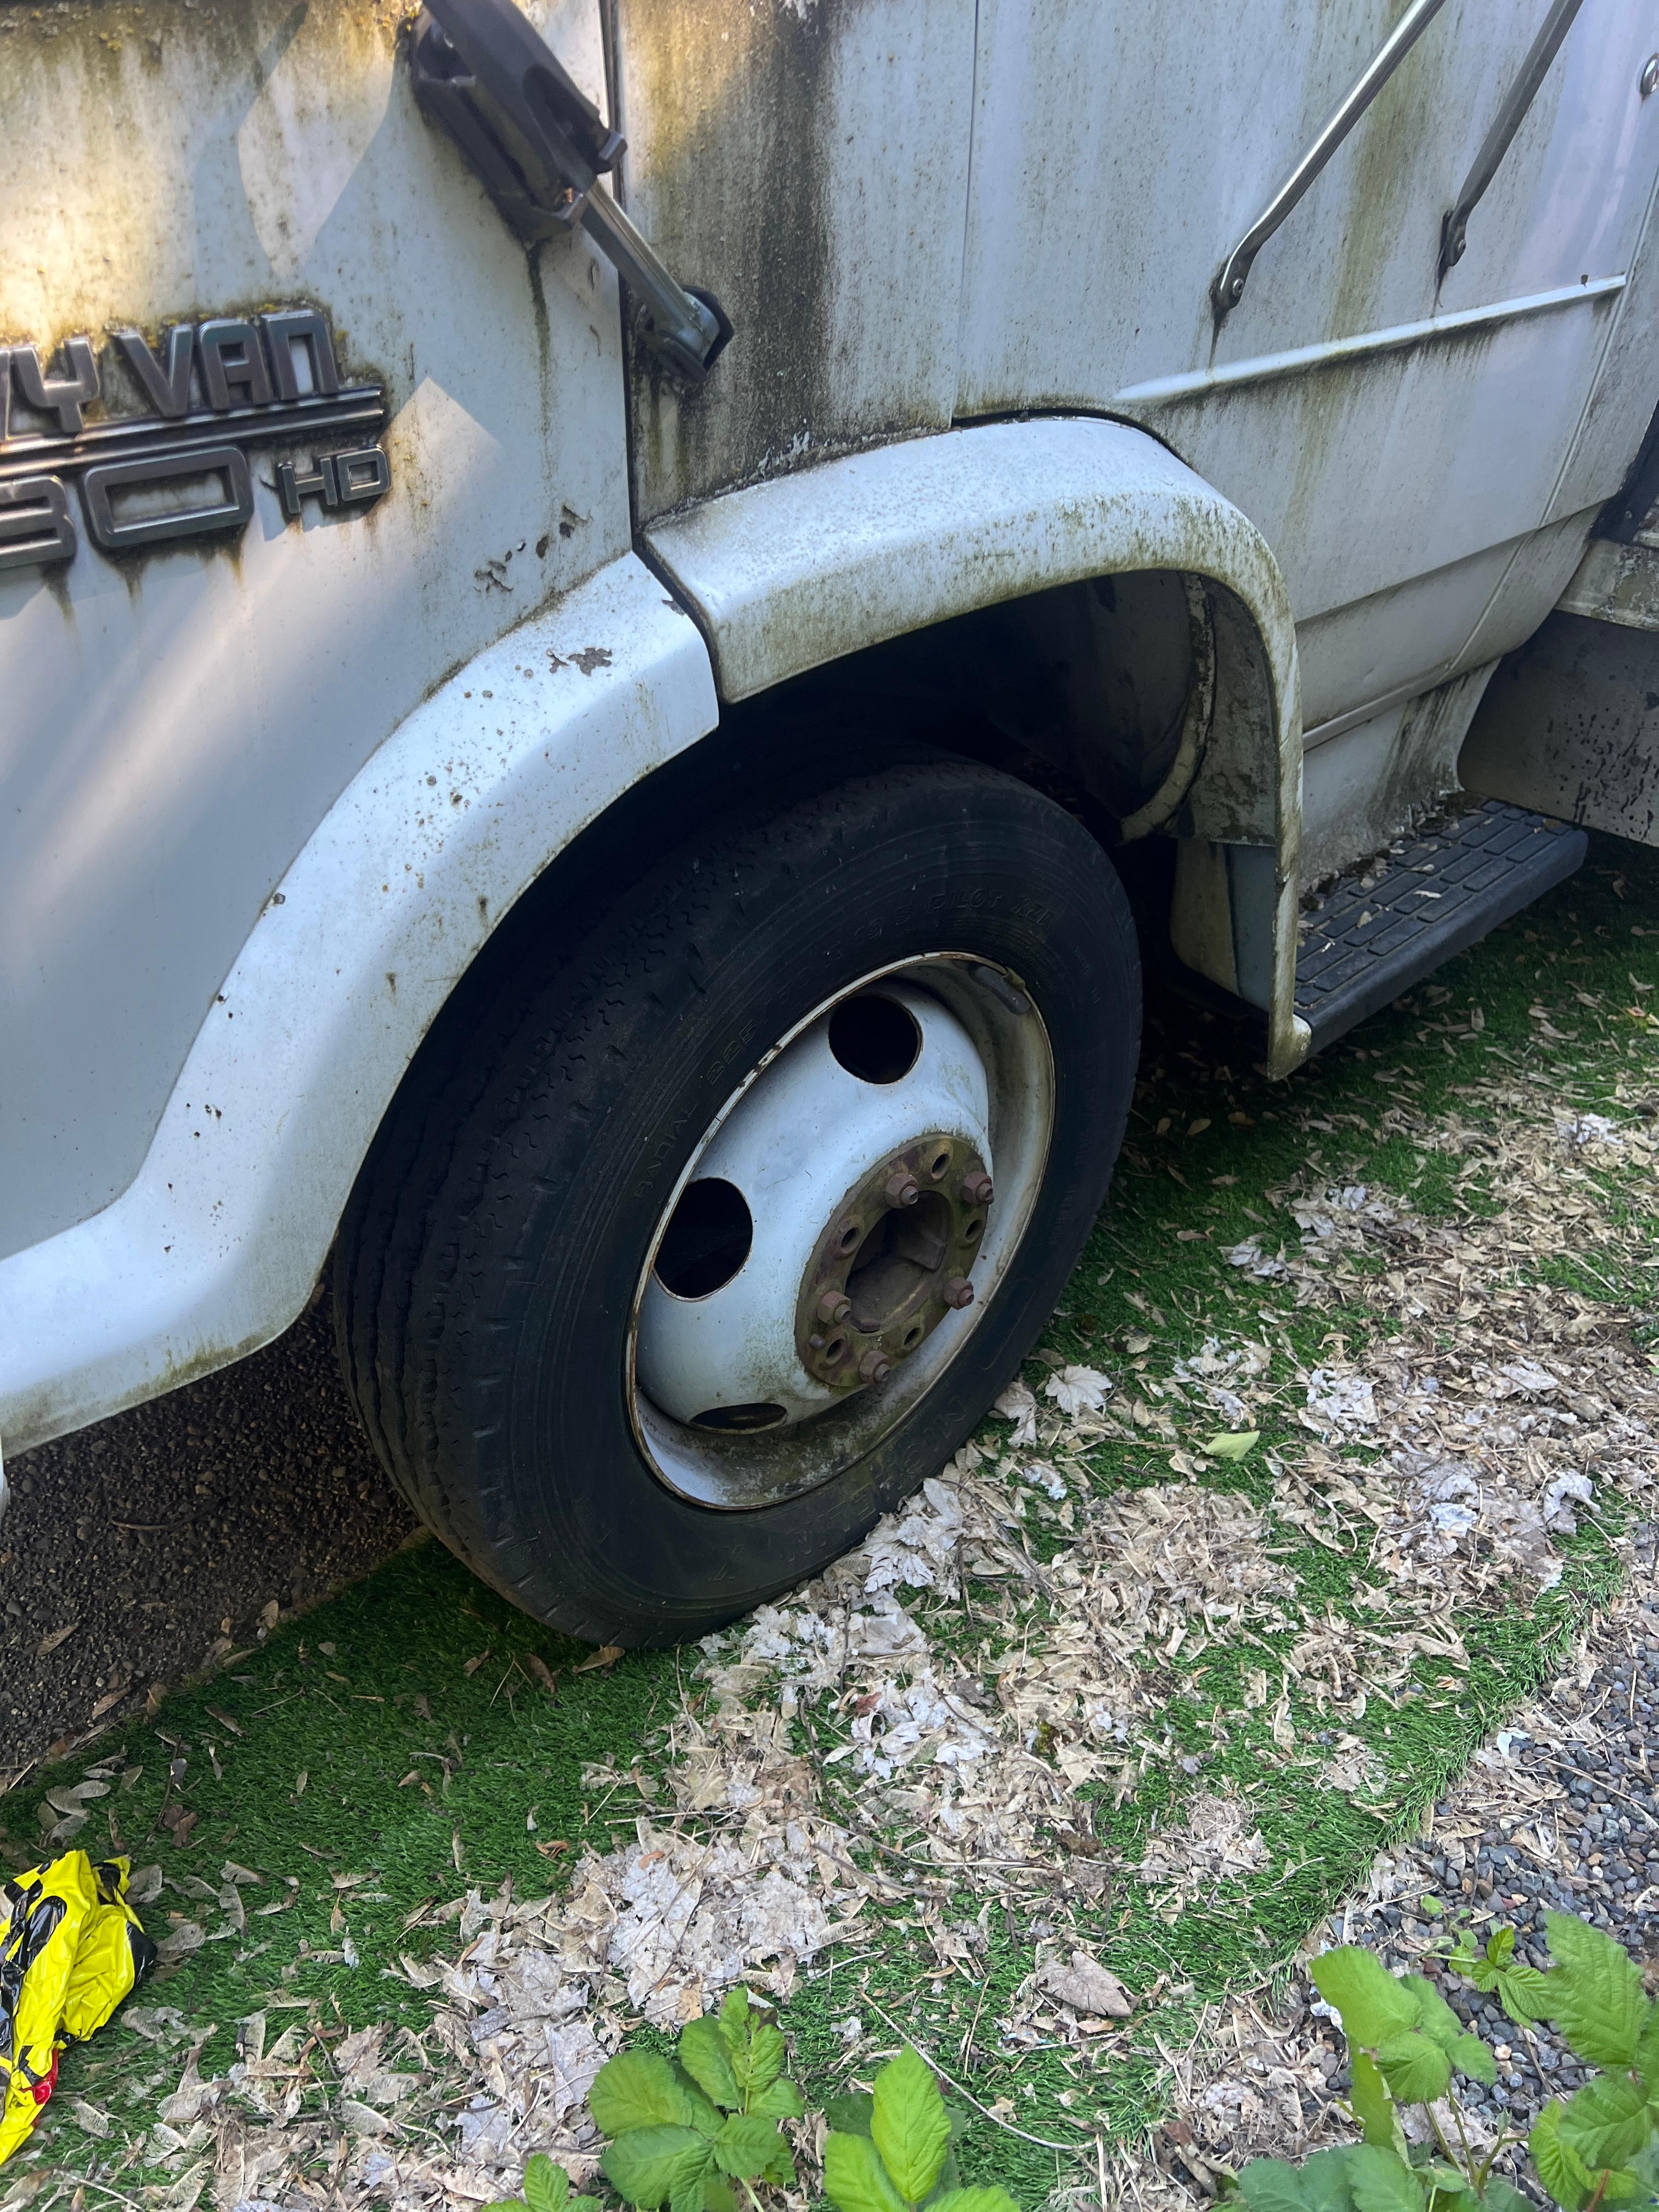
(178, 467)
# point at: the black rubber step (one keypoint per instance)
(1439, 891)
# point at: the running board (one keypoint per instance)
(1441, 891)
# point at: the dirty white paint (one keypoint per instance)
(1373, 779)
(176, 728)
(809, 163)
(1376, 425)
(790, 574)
(918, 211)
(1569, 724)
(895, 269)
(215, 1244)
(1365, 345)
(1616, 584)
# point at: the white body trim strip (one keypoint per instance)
(1261, 368)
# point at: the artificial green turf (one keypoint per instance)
(498, 1750)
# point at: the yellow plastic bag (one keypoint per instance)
(70, 1949)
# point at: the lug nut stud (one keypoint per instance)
(834, 1305)
(976, 1187)
(875, 1367)
(902, 1189)
(959, 1291)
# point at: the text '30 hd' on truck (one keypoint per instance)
(618, 619)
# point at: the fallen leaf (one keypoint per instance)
(543, 1673)
(1017, 1405)
(471, 1666)
(1225, 1446)
(1086, 1986)
(1078, 1389)
(49, 1643)
(606, 1655)
(224, 1719)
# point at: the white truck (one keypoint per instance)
(619, 620)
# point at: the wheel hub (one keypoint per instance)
(894, 1257)
(846, 1172)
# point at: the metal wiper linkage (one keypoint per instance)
(540, 145)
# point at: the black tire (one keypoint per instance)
(486, 1270)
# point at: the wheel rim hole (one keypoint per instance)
(898, 1262)
(973, 1229)
(741, 1419)
(848, 1237)
(937, 1164)
(706, 1242)
(875, 1038)
(913, 1336)
(835, 1349)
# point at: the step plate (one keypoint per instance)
(1443, 890)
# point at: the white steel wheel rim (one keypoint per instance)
(738, 1395)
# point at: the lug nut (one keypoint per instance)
(902, 1189)
(875, 1367)
(977, 1187)
(959, 1291)
(834, 1305)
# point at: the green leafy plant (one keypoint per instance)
(1520, 1987)
(892, 2151)
(1407, 2046)
(546, 2188)
(685, 2129)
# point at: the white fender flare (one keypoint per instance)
(787, 575)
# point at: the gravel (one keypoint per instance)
(140, 1550)
(1560, 1813)
(1594, 1797)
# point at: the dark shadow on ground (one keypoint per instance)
(154, 1535)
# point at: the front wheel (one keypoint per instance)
(714, 1243)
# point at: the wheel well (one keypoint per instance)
(1089, 691)
(1100, 693)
